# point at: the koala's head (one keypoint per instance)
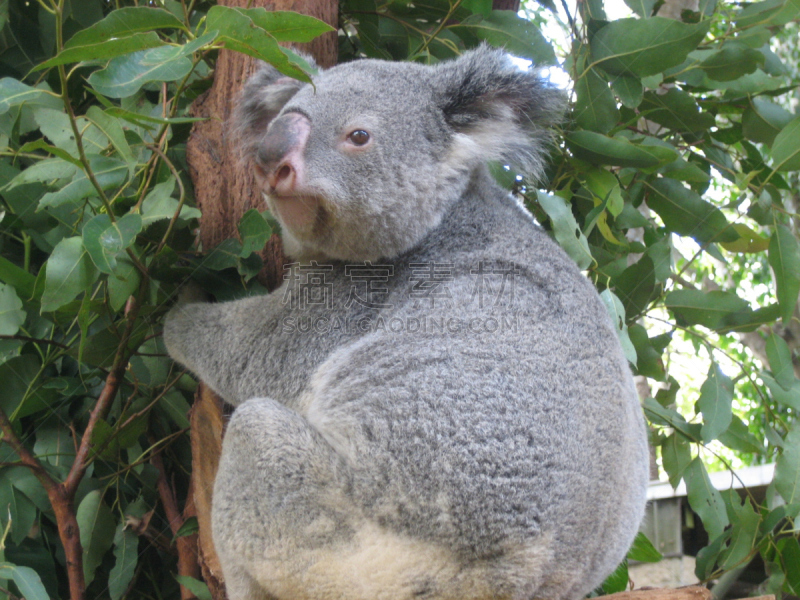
(365, 163)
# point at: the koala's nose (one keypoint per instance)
(280, 155)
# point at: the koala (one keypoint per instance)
(435, 403)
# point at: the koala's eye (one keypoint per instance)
(359, 137)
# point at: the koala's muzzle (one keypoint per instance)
(279, 161)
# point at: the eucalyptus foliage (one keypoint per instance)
(97, 234)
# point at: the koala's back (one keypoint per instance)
(500, 442)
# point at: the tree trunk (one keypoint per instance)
(225, 190)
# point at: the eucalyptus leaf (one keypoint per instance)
(238, 32)
(125, 22)
(97, 527)
(595, 106)
(763, 120)
(70, 271)
(675, 457)
(287, 26)
(784, 258)
(12, 316)
(27, 580)
(715, 402)
(642, 47)
(108, 172)
(254, 232)
(686, 213)
(617, 314)
(603, 150)
(565, 228)
(787, 468)
(520, 37)
(126, 557)
(105, 49)
(786, 148)
(13, 93)
(104, 239)
(704, 499)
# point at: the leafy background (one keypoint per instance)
(673, 185)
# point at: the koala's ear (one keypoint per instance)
(497, 110)
(261, 99)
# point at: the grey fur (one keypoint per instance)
(448, 459)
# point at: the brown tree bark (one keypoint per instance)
(225, 189)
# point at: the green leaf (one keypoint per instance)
(675, 457)
(763, 120)
(254, 232)
(22, 392)
(629, 90)
(108, 172)
(710, 309)
(743, 535)
(189, 527)
(716, 397)
(159, 204)
(749, 240)
(238, 32)
(55, 445)
(504, 29)
(565, 228)
(642, 550)
(635, 287)
(70, 272)
(287, 26)
(604, 186)
(732, 61)
(123, 283)
(595, 106)
(22, 281)
(27, 580)
(126, 557)
(643, 8)
(704, 499)
(124, 75)
(11, 314)
(97, 527)
(16, 509)
(603, 150)
(104, 50)
(14, 93)
(784, 258)
(198, 588)
(738, 437)
(787, 468)
(780, 361)
(104, 240)
(786, 148)
(125, 22)
(112, 129)
(787, 396)
(617, 314)
(641, 47)
(57, 127)
(223, 256)
(668, 417)
(686, 213)
(618, 580)
(47, 170)
(648, 351)
(676, 110)
(707, 557)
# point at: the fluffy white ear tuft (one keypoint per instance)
(506, 113)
